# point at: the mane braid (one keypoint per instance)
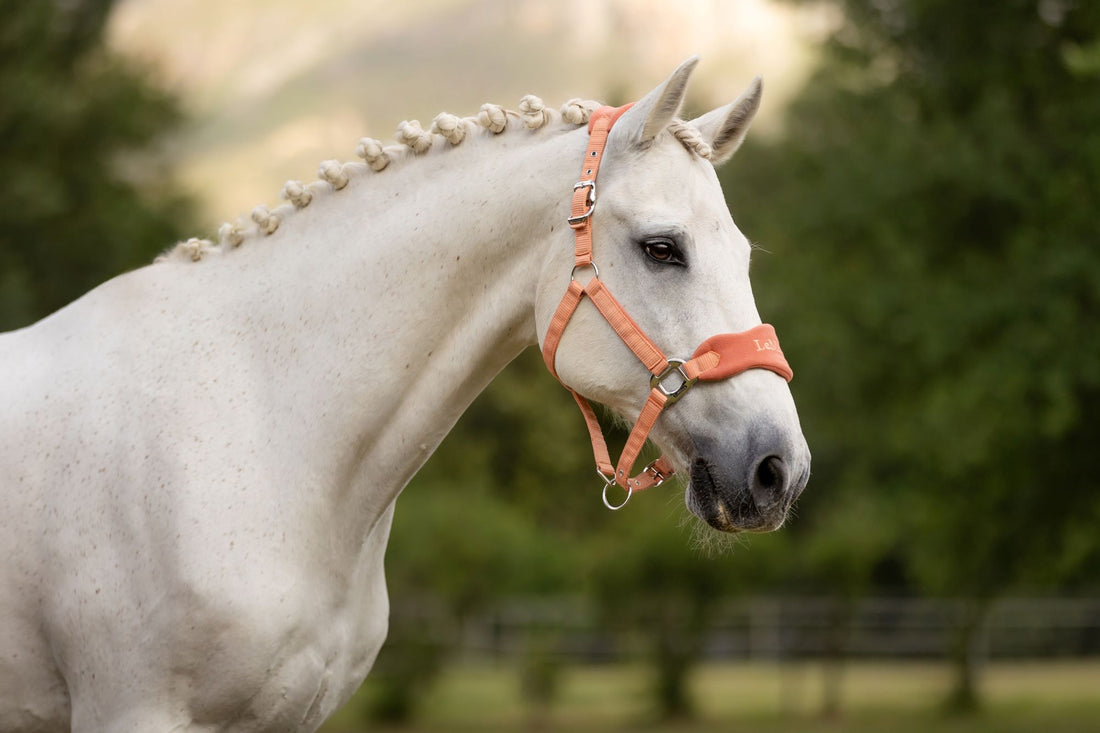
(690, 137)
(412, 141)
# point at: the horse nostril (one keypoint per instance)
(769, 481)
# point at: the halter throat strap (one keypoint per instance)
(719, 357)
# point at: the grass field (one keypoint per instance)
(1046, 697)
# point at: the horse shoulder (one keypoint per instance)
(168, 549)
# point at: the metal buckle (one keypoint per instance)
(658, 477)
(576, 221)
(674, 365)
(607, 484)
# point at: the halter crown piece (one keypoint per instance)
(719, 357)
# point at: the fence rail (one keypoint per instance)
(780, 628)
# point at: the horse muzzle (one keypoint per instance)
(750, 490)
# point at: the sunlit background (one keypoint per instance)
(275, 87)
(922, 182)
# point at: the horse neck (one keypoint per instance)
(390, 305)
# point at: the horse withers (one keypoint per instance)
(200, 458)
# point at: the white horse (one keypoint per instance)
(200, 458)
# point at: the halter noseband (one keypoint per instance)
(719, 357)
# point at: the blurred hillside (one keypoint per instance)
(274, 87)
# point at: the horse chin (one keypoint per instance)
(726, 507)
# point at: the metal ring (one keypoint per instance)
(607, 485)
(657, 381)
(573, 275)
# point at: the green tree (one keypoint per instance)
(933, 200)
(82, 198)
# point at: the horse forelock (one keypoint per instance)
(412, 141)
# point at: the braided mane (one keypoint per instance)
(412, 140)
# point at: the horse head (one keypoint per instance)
(666, 246)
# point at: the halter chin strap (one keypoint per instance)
(719, 357)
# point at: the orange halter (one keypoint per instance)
(719, 357)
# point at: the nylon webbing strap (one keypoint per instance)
(568, 304)
(633, 336)
(595, 434)
(584, 193)
(646, 420)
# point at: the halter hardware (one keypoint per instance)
(607, 484)
(573, 272)
(675, 366)
(590, 200)
(654, 473)
(719, 357)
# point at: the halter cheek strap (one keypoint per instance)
(719, 357)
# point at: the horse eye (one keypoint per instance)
(662, 251)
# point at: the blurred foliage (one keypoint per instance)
(412, 659)
(931, 209)
(84, 199)
(541, 672)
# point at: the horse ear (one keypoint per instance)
(654, 111)
(724, 128)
